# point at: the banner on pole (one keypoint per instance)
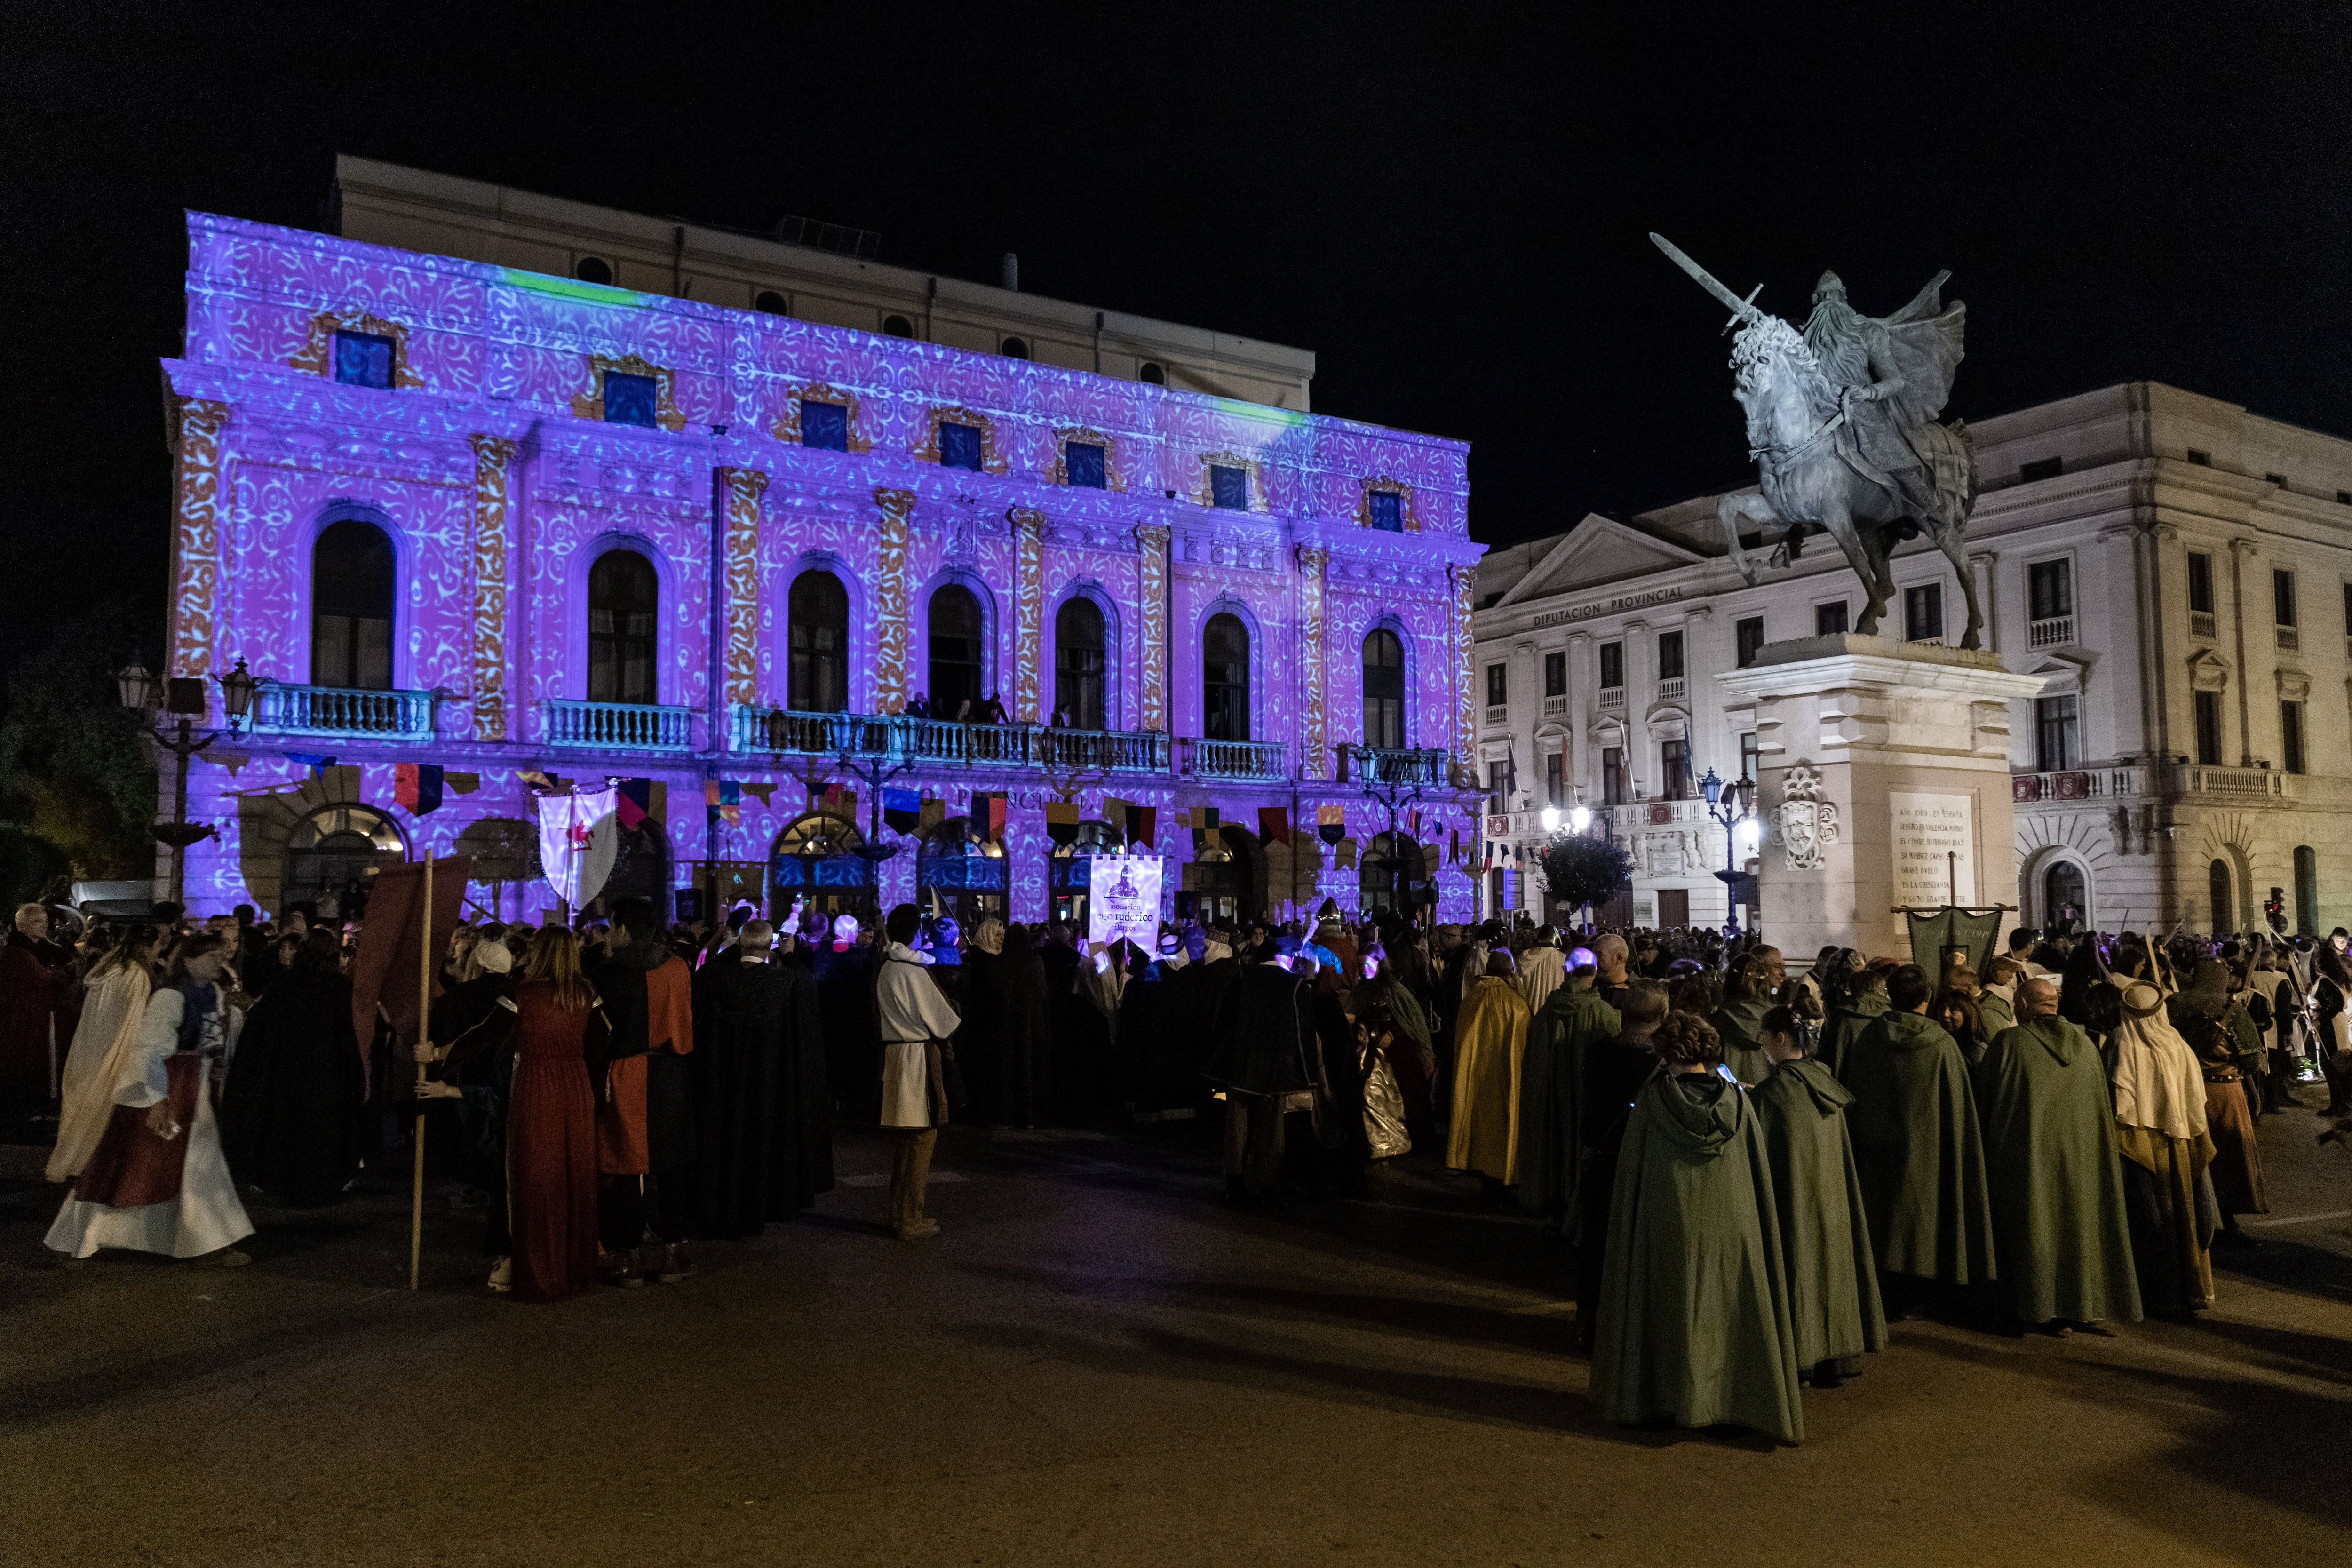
(1123, 900)
(579, 834)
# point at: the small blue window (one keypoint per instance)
(1083, 462)
(628, 399)
(1387, 511)
(1229, 487)
(363, 359)
(959, 447)
(825, 426)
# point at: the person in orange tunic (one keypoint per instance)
(644, 1114)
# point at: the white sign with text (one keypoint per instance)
(1123, 900)
(1933, 840)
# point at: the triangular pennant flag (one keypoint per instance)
(233, 761)
(902, 809)
(463, 784)
(1142, 824)
(763, 791)
(641, 798)
(722, 799)
(1062, 821)
(934, 812)
(1412, 823)
(1209, 819)
(1273, 825)
(991, 810)
(417, 785)
(317, 764)
(1114, 810)
(1331, 823)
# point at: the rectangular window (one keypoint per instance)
(1674, 769)
(1612, 664)
(2348, 611)
(1670, 656)
(1498, 798)
(363, 359)
(1749, 756)
(2291, 735)
(1387, 511)
(629, 399)
(1556, 664)
(2283, 597)
(2050, 588)
(1555, 779)
(2041, 468)
(959, 447)
(2209, 729)
(1829, 620)
(825, 426)
(1749, 636)
(1082, 464)
(1612, 775)
(2057, 734)
(2201, 582)
(1922, 612)
(1498, 685)
(1228, 488)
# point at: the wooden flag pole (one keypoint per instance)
(424, 1044)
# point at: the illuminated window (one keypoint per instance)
(623, 598)
(363, 359)
(1082, 465)
(629, 399)
(825, 426)
(959, 447)
(1387, 511)
(1228, 488)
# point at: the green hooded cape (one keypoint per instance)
(1914, 1124)
(1740, 1023)
(1833, 1309)
(2058, 1206)
(1552, 1109)
(1693, 1317)
(1845, 1025)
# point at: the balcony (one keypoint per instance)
(1363, 764)
(2290, 640)
(2245, 784)
(2200, 624)
(619, 726)
(1612, 700)
(2074, 783)
(2178, 781)
(1112, 751)
(945, 742)
(1673, 688)
(283, 709)
(2051, 631)
(1498, 715)
(1244, 759)
(1555, 707)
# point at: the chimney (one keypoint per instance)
(1012, 272)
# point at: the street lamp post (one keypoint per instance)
(1391, 795)
(183, 697)
(1737, 804)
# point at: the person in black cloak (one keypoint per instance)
(1264, 1038)
(845, 995)
(763, 1114)
(1024, 1034)
(1081, 1033)
(2083, 975)
(290, 1112)
(981, 1007)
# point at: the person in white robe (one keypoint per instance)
(914, 1018)
(112, 1013)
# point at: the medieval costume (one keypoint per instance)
(1259, 1056)
(978, 1045)
(1834, 1314)
(764, 1133)
(114, 1007)
(1490, 1041)
(1551, 1084)
(645, 1113)
(915, 1020)
(1919, 1149)
(2059, 1220)
(1542, 969)
(290, 1112)
(164, 1190)
(552, 1150)
(35, 1029)
(2201, 1014)
(1693, 1322)
(1613, 1071)
(1739, 1024)
(2161, 1132)
(1022, 1035)
(1845, 1025)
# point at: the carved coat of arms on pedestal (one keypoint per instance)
(1804, 824)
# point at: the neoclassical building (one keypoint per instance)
(600, 516)
(2178, 569)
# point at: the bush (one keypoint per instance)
(1582, 872)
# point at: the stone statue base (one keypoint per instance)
(1885, 784)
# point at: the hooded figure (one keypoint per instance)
(1863, 1001)
(1694, 1323)
(1834, 1313)
(1551, 1083)
(2050, 1156)
(1490, 1042)
(2204, 1016)
(2161, 1132)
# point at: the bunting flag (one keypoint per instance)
(902, 809)
(233, 761)
(641, 798)
(1062, 821)
(764, 790)
(991, 811)
(1209, 822)
(1142, 824)
(317, 764)
(722, 799)
(933, 812)
(832, 794)
(1345, 858)
(463, 784)
(1331, 823)
(417, 785)
(535, 779)
(1114, 811)
(1412, 823)
(1273, 825)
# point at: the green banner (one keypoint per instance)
(1953, 932)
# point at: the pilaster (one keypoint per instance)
(745, 488)
(1151, 588)
(1316, 720)
(493, 461)
(195, 536)
(1028, 611)
(898, 508)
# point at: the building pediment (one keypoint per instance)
(2207, 670)
(1597, 550)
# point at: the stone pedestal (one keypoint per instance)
(1885, 777)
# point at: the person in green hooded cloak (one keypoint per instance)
(1694, 1323)
(1916, 1142)
(1738, 1021)
(1833, 1307)
(1865, 999)
(2059, 1216)
(1572, 1020)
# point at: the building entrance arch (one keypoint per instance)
(333, 856)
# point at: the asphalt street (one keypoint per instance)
(1098, 1363)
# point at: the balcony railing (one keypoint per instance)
(2228, 783)
(619, 726)
(1498, 713)
(1612, 698)
(1673, 688)
(2290, 639)
(1364, 765)
(1555, 707)
(1204, 759)
(946, 741)
(2174, 781)
(2051, 631)
(283, 709)
(2200, 624)
(2074, 783)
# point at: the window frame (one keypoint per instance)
(2295, 736)
(2066, 727)
(2200, 582)
(1930, 593)
(339, 529)
(2063, 565)
(2285, 607)
(1671, 643)
(1237, 696)
(1498, 684)
(1555, 665)
(2204, 706)
(1096, 680)
(1744, 650)
(1844, 608)
(1393, 736)
(623, 643)
(803, 660)
(1611, 652)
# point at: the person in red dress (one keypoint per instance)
(552, 1126)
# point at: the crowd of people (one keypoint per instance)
(1748, 1170)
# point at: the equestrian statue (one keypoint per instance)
(1842, 424)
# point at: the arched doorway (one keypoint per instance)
(332, 859)
(2065, 898)
(968, 878)
(1227, 886)
(1069, 868)
(814, 860)
(2216, 887)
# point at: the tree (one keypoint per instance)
(74, 770)
(1582, 871)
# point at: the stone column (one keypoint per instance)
(493, 455)
(890, 599)
(1151, 588)
(1028, 612)
(1641, 690)
(196, 537)
(741, 680)
(1581, 676)
(2242, 552)
(1981, 563)
(1314, 719)
(1466, 654)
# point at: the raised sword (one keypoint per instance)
(1741, 309)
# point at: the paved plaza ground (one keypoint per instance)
(1097, 1362)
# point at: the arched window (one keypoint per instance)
(820, 636)
(1225, 680)
(594, 269)
(1016, 349)
(1078, 665)
(2217, 883)
(1383, 692)
(2065, 902)
(351, 608)
(898, 326)
(623, 597)
(769, 302)
(958, 643)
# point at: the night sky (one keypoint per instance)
(1447, 203)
